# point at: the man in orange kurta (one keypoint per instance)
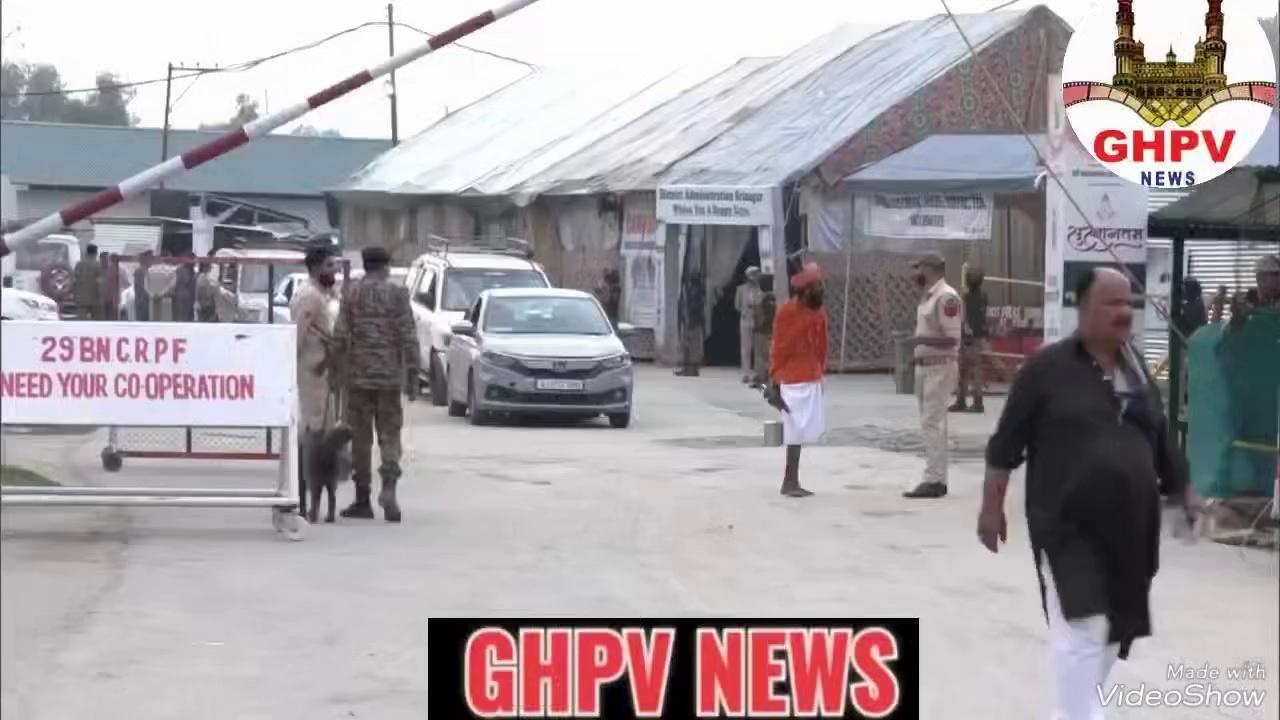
(798, 362)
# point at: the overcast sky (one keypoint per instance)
(137, 38)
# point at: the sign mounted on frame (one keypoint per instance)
(715, 205)
(957, 216)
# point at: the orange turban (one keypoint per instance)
(810, 275)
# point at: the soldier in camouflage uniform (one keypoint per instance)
(377, 348)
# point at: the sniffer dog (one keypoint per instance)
(327, 463)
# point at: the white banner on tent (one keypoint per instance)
(642, 256)
(714, 205)
(934, 216)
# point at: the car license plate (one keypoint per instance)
(562, 385)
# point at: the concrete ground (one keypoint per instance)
(163, 613)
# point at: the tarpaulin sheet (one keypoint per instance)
(957, 162)
(634, 157)
(802, 126)
(496, 143)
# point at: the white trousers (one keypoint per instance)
(935, 384)
(746, 348)
(1080, 658)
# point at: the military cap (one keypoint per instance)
(933, 260)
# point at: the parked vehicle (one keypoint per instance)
(18, 304)
(443, 284)
(539, 351)
(45, 267)
(288, 286)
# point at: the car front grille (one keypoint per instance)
(501, 394)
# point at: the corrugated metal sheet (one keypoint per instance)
(95, 156)
(800, 128)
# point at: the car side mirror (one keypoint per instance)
(281, 299)
(625, 329)
(464, 329)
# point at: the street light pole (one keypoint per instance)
(391, 46)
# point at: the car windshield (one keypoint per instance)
(39, 256)
(463, 286)
(254, 278)
(545, 316)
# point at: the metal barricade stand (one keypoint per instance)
(157, 375)
(179, 304)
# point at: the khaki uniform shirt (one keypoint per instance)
(314, 310)
(745, 302)
(940, 314)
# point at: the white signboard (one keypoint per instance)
(1111, 230)
(153, 374)
(934, 216)
(642, 270)
(711, 205)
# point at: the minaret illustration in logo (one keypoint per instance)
(1171, 90)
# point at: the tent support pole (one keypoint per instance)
(1177, 357)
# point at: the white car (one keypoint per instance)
(443, 286)
(543, 351)
(22, 305)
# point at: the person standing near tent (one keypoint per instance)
(973, 343)
(937, 345)
(377, 347)
(692, 318)
(745, 301)
(1087, 417)
(762, 341)
(798, 363)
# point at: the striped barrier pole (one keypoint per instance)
(131, 186)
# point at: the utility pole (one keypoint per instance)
(168, 93)
(391, 46)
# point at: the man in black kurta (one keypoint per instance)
(1087, 417)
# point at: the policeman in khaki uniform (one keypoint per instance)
(939, 324)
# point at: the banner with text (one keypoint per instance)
(709, 205)
(642, 258)
(562, 668)
(147, 374)
(945, 216)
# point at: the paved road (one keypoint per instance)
(206, 614)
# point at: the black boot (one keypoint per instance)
(361, 509)
(387, 499)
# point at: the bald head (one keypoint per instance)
(1106, 306)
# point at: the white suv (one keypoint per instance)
(444, 284)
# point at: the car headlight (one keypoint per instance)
(499, 359)
(31, 304)
(616, 362)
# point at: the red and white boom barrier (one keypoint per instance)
(217, 147)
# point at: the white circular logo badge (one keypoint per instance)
(1168, 93)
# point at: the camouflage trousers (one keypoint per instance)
(368, 410)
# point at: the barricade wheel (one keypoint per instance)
(288, 523)
(112, 461)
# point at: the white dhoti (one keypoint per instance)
(1081, 658)
(806, 422)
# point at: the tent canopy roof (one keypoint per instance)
(957, 162)
(796, 131)
(1242, 204)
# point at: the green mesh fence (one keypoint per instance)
(1233, 405)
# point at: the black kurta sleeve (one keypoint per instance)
(1006, 450)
